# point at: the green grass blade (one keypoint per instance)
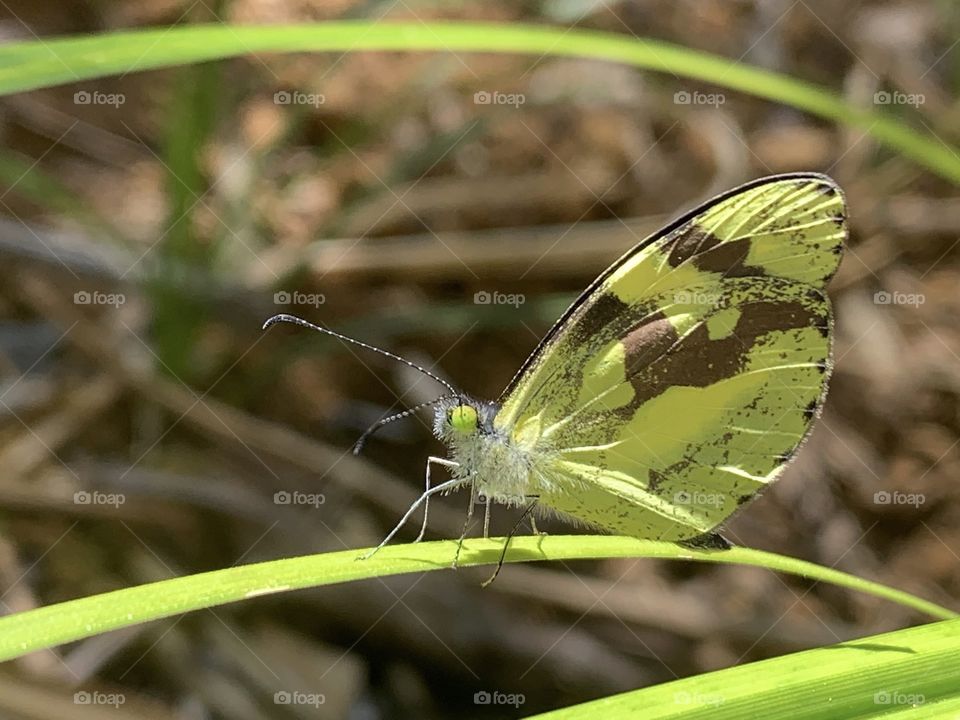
(911, 672)
(57, 624)
(178, 316)
(46, 62)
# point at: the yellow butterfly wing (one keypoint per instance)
(680, 382)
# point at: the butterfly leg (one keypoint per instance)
(486, 518)
(466, 523)
(426, 503)
(506, 545)
(448, 485)
(533, 518)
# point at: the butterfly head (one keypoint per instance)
(463, 419)
(458, 418)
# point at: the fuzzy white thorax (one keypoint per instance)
(501, 469)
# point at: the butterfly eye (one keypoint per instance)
(463, 418)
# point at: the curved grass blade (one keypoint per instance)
(68, 621)
(45, 62)
(910, 672)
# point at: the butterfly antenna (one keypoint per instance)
(283, 317)
(358, 446)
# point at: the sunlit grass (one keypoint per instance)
(42, 63)
(76, 619)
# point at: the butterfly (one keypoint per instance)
(676, 387)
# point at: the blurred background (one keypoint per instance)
(446, 207)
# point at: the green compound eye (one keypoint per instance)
(463, 418)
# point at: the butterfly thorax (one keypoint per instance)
(500, 468)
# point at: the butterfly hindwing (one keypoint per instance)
(680, 382)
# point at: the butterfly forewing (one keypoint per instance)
(677, 386)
